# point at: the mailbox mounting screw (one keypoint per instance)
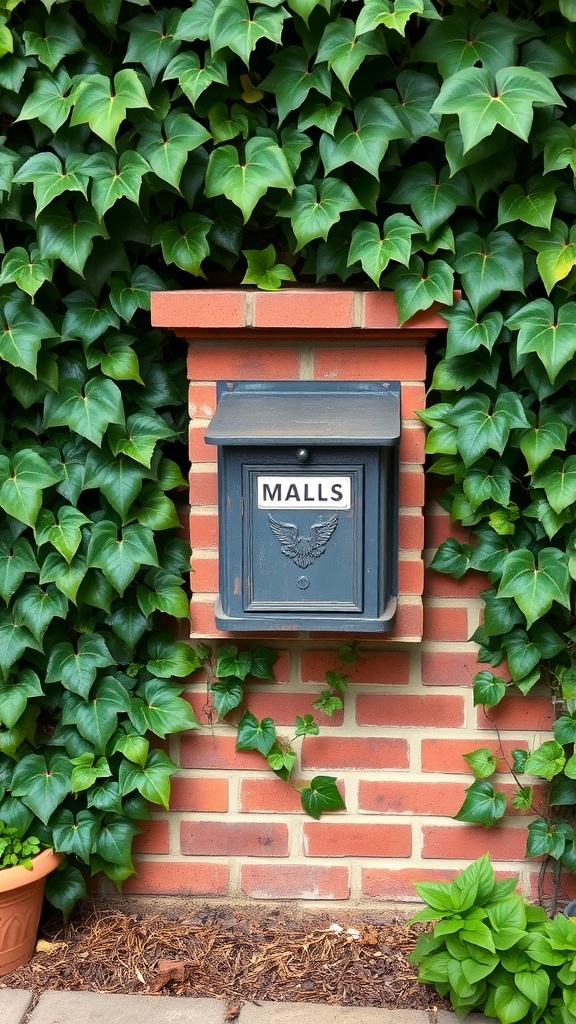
(302, 454)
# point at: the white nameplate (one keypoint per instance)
(304, 491)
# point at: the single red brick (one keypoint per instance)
(233, 839)
(447, 755)
(410, 532)
(448, 668)
(270, 795)
(202, 400)
(193, 793)
(517, 713)
(337, 753)
(360, 362)
(295, 881)
(203, 529)
(154, 837)
(412, 444)
(201, 751)
(366, 839)
(244, 361)
(398, 884)
(204, 487)
(409, 620)
(434, 710)
(202, 307)
(320, 308)
(439, 584)
(381, 311)
(412, 400)
(178, 878)
(410, 576)
(204, 579)
(284, 707)
(392, 667)
(467, 842)
(411, 487)
(445, 622)
(438, 528)
(401, 797)
(198, 450)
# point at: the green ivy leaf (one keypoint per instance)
(77, 669)
(114, 179)
(151, 40)
(433, 197)
(120, 558)
(321, 795)
(88, 409)
(102, 104)
(61, 36)
(558, 478)
(483, 426)
(344, 50)
(420, 285)
(245, 182)
(76, 834)
(237, 27)
(255, 735)
(152, 780)
(482, 100)
(171, 658)
(534, 206)
(489, 266)
(192, 76)
(263, 269)
(226, 696)
(25, 269)
(185, 243)
(68, 234)
(306, 726)
(482, 804)
(292, 79)
(375, 252)
(50, 179)
(159, 708)
(49, 101)
(464, 39)
(64, 534)
(364, 140)
(533, 586)
(23, 328)
(42, 785)
(546, 436)
(482, 762)
(556, 250)
(488, 689)
(16, 560)
(166, 147)
(114, 839)
(22, 481)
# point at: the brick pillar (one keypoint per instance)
(234, 829)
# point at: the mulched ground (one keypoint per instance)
(236, 954)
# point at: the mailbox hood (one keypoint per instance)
(306, 412)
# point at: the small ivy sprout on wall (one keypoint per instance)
(227, 670)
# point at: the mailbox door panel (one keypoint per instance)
(303, 538)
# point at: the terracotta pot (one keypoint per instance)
(21, 897)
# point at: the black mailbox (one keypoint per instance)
(307, 494)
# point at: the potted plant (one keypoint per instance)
(23, 871)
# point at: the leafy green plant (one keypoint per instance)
(492, 951)
(227, 669)
(15, 851)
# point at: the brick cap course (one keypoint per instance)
(292, 308)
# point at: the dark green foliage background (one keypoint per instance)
(414, 144)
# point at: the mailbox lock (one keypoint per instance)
(302, 454)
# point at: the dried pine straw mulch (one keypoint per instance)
(237, 954)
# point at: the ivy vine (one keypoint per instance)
(420, 145)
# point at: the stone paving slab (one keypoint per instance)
(101, 1008)
(13, 1004)
(104, 1008)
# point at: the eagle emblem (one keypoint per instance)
(303, 550)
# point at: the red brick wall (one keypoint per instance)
(235, 830)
